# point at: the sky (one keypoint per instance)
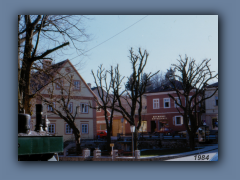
(165, 37)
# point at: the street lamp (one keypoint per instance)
(132, 128)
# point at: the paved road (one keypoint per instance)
(197, 158)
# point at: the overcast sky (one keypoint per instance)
(165, 37)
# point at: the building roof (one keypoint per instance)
(93, 88)
(213, 85)
(167, 87)
(41, 78)
(124, 102)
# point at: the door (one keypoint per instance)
(116, 127)
(153, 126)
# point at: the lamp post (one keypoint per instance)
(132, 128)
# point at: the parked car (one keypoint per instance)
(165, 131)
(102, 134)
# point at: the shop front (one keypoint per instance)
(158, 122)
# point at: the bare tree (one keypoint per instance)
(38, 37)
(149, 86)
(156, 81)
(106, 100)
(194, 78)
(133, 97)
(60, 104)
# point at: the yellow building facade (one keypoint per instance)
(79, 97)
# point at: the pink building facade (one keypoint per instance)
(163, 112)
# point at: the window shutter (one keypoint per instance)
(181, 120)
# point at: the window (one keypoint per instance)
(216, 100)
(143, 127)
(67, 69)
(98, 109)
(199, 100)
(166, 102)
(214, 123)
(70, 107)
(83, 108)
(178, 101)
(51, 128)
(155, 103)
(50, 108)
(76, 85)
(178, 120)
(84, 128)
(59, 84)
(68, 130)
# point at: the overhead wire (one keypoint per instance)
(111, 37)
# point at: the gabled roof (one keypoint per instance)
(124, 102)
(41, 78)
(52, 71)
(59, 64)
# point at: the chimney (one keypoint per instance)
(89, 84)
(46, 63)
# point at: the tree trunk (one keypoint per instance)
(78, 143)
(26, 97)
(19, 70)
(108, 138)
(192, 140)
(26, 69)
(136, 139)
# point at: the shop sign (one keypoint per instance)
(159, 118)
(100, 122)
